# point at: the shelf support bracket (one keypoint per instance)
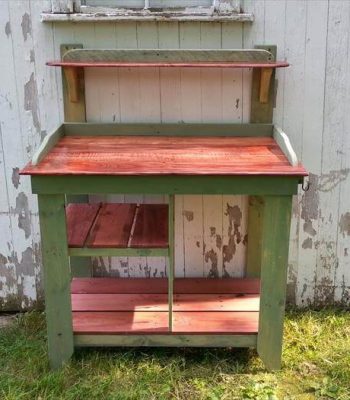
(265, 81)
(72, 78)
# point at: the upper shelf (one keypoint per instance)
(256, 58)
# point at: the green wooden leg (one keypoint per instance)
(56, 278)
(255, 210)
(81, 267)
(171, 260)
(274, 263)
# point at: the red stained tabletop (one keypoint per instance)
(164, 155)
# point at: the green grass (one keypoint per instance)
(316, 365)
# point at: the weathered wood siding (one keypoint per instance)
(312, 107)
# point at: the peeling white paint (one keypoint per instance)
(311, 108)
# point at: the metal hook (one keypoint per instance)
(306, 184)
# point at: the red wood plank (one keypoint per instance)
(215, 322)
(151, 226)
(125, 322)
(87, 64)
(112, 226)
(119, 302)
(160, 285)
(165, 155)
(159, 302)
(120, 322)
(80, 218)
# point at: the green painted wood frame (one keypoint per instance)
(75, 111)
(166, 340)
(56, 278)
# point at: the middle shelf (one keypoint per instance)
(117, 229)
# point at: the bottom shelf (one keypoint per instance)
(110, 306)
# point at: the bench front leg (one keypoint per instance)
(276, 218)
(56, 278)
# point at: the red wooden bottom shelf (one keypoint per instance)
(140, 306)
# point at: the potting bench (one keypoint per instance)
(82, 158)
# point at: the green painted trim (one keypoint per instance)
(174, 184)
(81, 267)
(171, 241)
(47, 144)
(167, 55)
(274, 264)
(117, 252)
(172, 340)
(255, 210)
(172, 129)
(263, 112)
(56, 278)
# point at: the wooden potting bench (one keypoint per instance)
(82, 158)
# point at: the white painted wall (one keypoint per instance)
(312, 107)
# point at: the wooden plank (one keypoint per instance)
(234, 236)
(125, 322)
(216, 322)
(171, 245)
(274, 265)
(112, 226)
(302, 277)
(166, 340)
(285, 145)
(159, 302)
(168, 129)
(250, 56)
(160, 286)
(137, 322)
(255, 220)
(150, 227)
(192, 216)
(56, 278)
(264, 66)
(47, 144)
(150, 17)
(80, 218)
(151, 155)
(118, 252)
(214, 184)
(212, 235)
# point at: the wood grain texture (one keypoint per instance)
(128, 322)
(140, 155)
(112, 227)
(80, 218)
(160, 286)
(57, 279)
(150, 227)
(99, 64)
(159, 302)
(160, 340)
(168, 56)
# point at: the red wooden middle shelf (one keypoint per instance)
(117, 225)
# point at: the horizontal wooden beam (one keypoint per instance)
(171, 340)
(242, 58)
(145, 17)
(167, 129)
(251, 185)
(117, 252)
